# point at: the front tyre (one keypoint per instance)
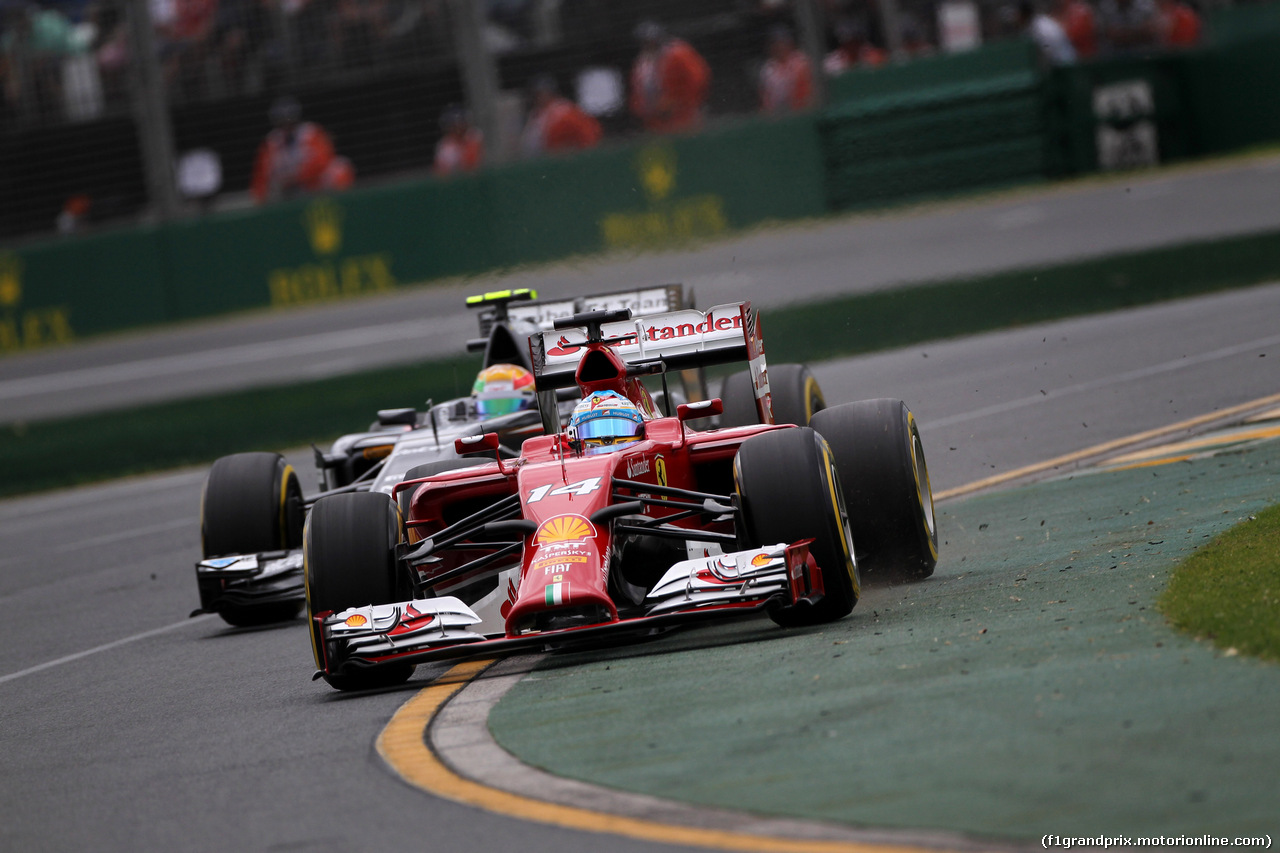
(251, 503)
(789, 490)
(349, 557)
(886, 485)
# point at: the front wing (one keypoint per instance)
(248, 580)
(422, 630)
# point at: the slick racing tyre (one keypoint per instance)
(886, 487)
(789, 490)
(252, 502)
(349, 555)
(427, 469)
(795, 392)
(739, 403)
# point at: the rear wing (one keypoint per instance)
(676, 340)
(525, 313)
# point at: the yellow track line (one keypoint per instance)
(403, 743)
(1105, 447)
(403, 746)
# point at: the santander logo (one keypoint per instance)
(563, 347)
(637, 466)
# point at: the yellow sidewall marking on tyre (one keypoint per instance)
(912, 431)
(284, 498)
(835, 506)
(402, 744)
(811, 391)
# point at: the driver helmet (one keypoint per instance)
(501, 389)
(605, 421)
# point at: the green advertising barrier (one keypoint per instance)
(658, 193)
(57, 291)
(935, 126)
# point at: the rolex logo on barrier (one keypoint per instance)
(330, 274)
(10, 279)
(657, 167)
(669, 218)
(323, 219)
(30, 327)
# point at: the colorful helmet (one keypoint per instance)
(605, 421)
(501, 389)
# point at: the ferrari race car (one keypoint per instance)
(253, 508)
(624, 522)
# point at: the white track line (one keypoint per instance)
(1095, 384)
(105, 647)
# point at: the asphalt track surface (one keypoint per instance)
(794, 263)
(124, 726)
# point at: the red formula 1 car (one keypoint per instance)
(586, 536)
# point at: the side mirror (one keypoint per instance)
(702, 409)
(397, 417)
(468, 444)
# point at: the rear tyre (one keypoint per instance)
(886, 486)
(349, 549)
(796, 395)
(787, 483)
(738, 400)
(252, 502)
(795, 392)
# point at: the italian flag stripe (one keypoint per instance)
(557, 593)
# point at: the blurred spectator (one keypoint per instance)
(461, 149)
(852, 49)
(1127, 24)
(786, 80)
(358, 26)
(297, 157)
(1048, 35)
(1177, 24)
(242, 31)
(556, 123)
(75, 212)
(111, 48)
(669, 81)
(184, 28)
(914, 43)
(33, 45)
(1077, 19)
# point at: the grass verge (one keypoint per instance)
(1229, 591)
(58, 453)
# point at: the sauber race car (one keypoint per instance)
(253, 508)
(626, 520)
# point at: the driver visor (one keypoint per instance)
(608, 429)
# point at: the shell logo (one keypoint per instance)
(564, 528)
(761, 560)
(356, 621)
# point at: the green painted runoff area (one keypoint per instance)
(1030, 687)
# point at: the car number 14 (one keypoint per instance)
(580, 488)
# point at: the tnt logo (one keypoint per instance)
(323, 219)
